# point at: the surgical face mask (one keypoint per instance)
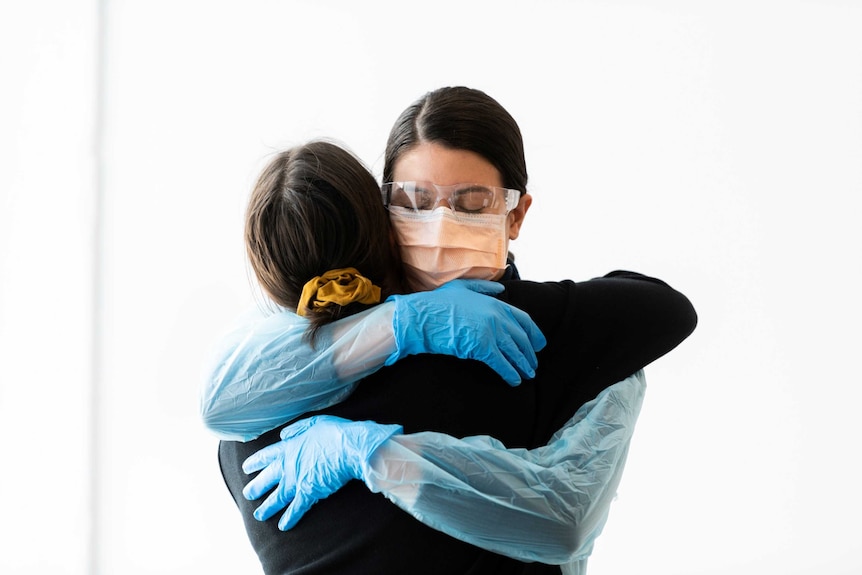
(439, 246)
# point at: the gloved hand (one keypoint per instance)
(315, 458)
(460, 318)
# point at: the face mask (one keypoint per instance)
(440, 246)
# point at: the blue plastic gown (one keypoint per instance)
(262, 373)
(546, 504)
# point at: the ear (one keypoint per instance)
(516, 216)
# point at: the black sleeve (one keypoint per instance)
(626, 321)
(618, 323)
(599, 332)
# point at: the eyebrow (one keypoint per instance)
(474, 187)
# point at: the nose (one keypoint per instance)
(443, 201)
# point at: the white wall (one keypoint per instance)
(47, 220)
(717, 145)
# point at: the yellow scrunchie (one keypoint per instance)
(339, 287)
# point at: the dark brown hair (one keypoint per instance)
(315, 208)
(463, 119)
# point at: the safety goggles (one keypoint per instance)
(465, 198)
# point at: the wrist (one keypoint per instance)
(406, 327)
(377, 437)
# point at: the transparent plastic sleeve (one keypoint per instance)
(263, 374)
(547, 504)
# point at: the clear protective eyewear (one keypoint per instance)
(423, 197)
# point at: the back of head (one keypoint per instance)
(316, 208)
(463, 119)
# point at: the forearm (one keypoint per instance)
(546, 504)
(264, 373)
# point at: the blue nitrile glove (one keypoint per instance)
(460, 318)
(315, 458)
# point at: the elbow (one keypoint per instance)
(220, 411)
(682, 320)
(566, 549)
(689, 316)
(575, 543)
(210, 418)
(686, 319)
(226, 431)
(677, 306)
(564, 542)
(211, 396)
(220, 424)
(580, 533)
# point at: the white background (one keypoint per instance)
(716, 145)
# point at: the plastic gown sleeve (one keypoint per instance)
(263, 373)
(546, 504)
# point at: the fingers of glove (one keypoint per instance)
(517, 352)
(298, 427)
(294, 512)
(276, 501)
(527, 334)
(321, 419)
(517, 346)
(497, 361)
(536, 339)
(263, 457)
(271, 476)
(479, 286)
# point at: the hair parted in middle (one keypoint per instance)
(462, 119)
